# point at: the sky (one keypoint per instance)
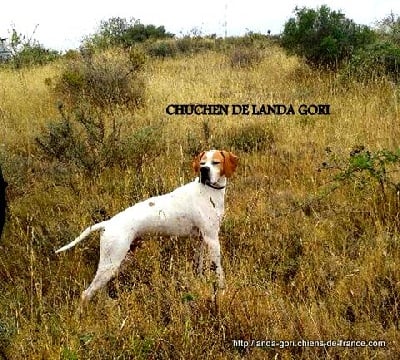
(62, 24)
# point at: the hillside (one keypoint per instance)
(310, 238)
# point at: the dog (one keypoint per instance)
(192, 209)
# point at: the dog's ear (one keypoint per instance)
(230, 163)
(196, 162)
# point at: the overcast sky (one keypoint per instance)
(61, 24)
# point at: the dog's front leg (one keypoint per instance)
(215, 257)
(200, 258)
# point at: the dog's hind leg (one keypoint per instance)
(113, 250)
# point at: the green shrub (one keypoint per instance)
(104, 80)
(388, 28)
(58, 140)
(185, 45)
(35, 54)
(139, 147)
(82, 139)
(28, 52)
(125, 33)
(324, 37)
(195, 44)
(372, 175)
(376, 60)
(139, 32)
(249, 40)
(363, 163)
(162, 49)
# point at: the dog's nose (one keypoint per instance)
(204, 174)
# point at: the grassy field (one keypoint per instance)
(308, 255)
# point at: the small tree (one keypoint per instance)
(28, 51)
(324, 37)
(125, 33)
(389, 28)
(380, 59)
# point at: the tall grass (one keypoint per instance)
(306, 257)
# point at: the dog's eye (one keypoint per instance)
(215, 162)
(202, 163)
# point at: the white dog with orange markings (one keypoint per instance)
(193, 209)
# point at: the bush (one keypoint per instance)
(389, 28)
(324, 37)
(82, 139)
(375, 61)
(185, 45)
(195, 44)
(125, 33)
(106, 79)
(249, 40)
(362, 163)
(372, 174)
(139, 32)
(34, 55)
(28, 52)
(243, 57)
(162, 49)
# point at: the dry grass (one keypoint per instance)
(300, 263)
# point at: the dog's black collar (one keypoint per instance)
(214, 186)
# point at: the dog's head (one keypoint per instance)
(213, 165)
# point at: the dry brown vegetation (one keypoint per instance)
(307, 255)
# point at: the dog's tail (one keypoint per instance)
(82, 236)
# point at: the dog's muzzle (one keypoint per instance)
(204, 175)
